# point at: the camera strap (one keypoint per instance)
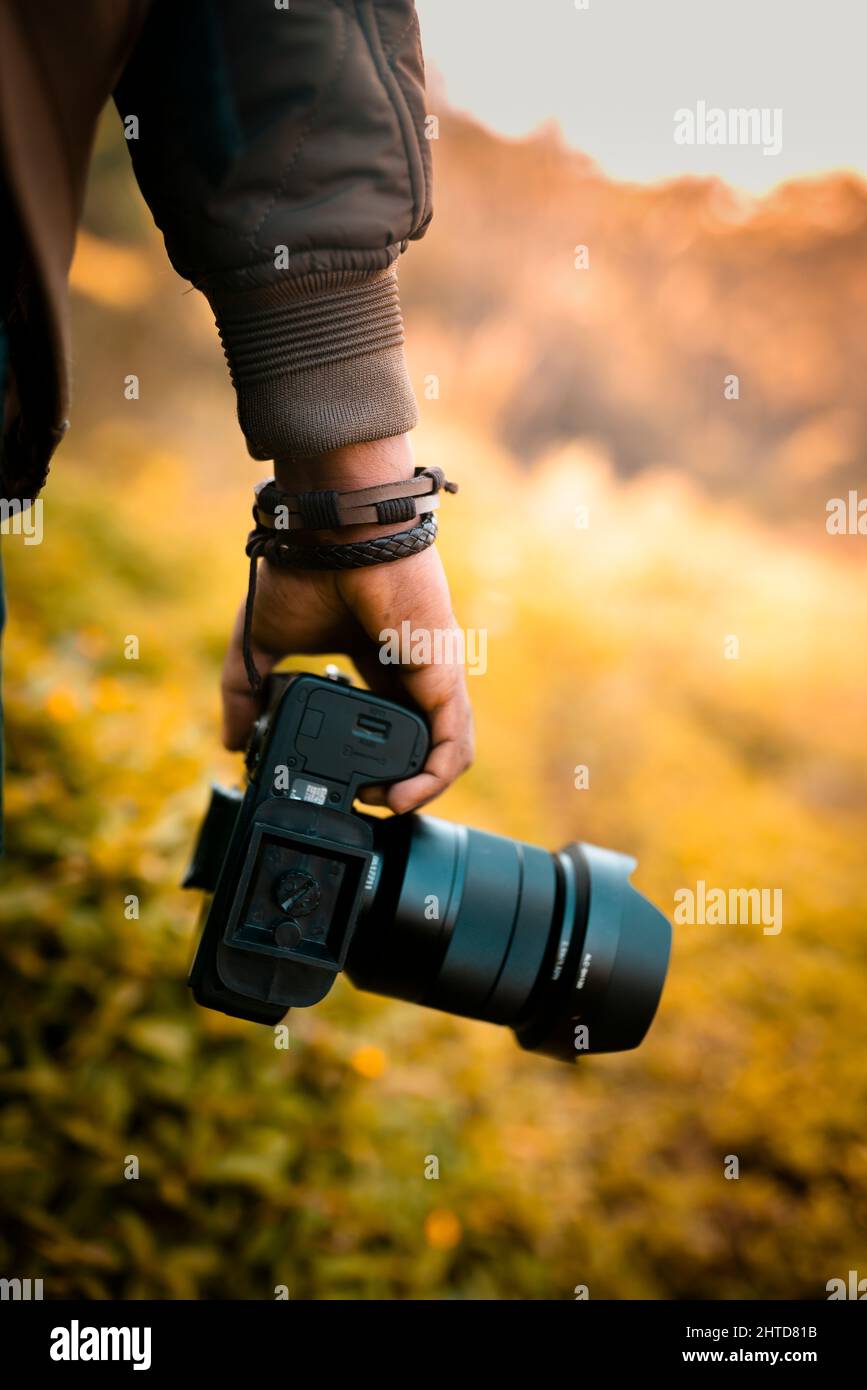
(275, 512)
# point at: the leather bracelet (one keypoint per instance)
(381, 504)
(350, 556)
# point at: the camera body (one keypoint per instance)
(288, 860)
(558, 947)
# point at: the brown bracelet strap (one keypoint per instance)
(382, 504)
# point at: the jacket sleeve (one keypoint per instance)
(282, 153)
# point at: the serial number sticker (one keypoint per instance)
(302, 790)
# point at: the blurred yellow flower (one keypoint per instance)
(61, 705)
(369, 1061)
(109, 695)
(442, 1229)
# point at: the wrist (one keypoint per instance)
(344, 469)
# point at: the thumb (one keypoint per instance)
(241, 704)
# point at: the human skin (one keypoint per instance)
(309, 612)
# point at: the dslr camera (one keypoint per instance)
(559, 947)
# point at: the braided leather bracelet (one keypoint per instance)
(352, 556)
(275, 511)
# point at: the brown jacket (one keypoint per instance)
(282, 153)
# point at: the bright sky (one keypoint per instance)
(615, 73)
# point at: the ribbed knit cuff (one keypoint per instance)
(317, 361)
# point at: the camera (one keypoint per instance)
(302, 884)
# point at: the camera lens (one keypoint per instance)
(560, 947)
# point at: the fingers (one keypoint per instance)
(241, 705)
(440, 693)
(452, 740)
(415, 590)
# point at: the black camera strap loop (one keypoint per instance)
(327, 510)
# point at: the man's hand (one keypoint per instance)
(313, 611)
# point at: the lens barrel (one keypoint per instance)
(561, 948)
